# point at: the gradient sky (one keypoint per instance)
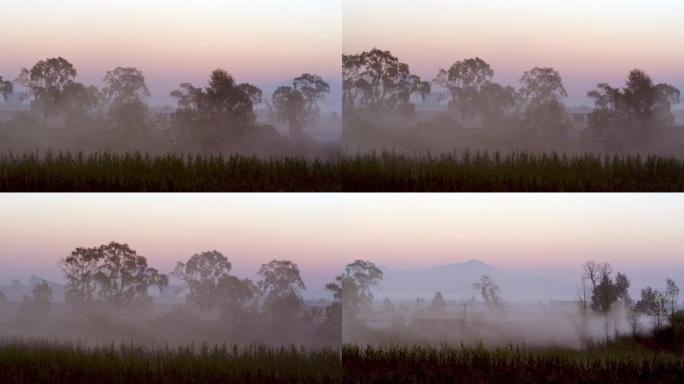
(588, 41)
(171, 41)
(550, 235)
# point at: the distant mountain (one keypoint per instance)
(455, 281)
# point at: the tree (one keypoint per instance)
(493, 102)
(201, 275)
(654, 304)
(125, 85)
(115, 272)
(594, 272)
(255, 94)
(438, 304)
(387, 305)
(81, 268)
(6, 88)
(209, 117)
(377, 81)
(464, 80)
(298, 104)
(126, 91)
(42, 295)
(47, 81)
(353, 288)
(541, 93)
(290, 106)
(604, 295)
(489, 291)
(281, 286)
(634, 110)
(124, 276)
(672, 294)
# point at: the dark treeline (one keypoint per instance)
(68, 115)
(108, 291)
(380, 107)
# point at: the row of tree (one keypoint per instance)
(376, 81)
(207, 118)
(607, 296)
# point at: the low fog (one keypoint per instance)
(603, 310)
(111, 295)
(386, 107)
(46, 108)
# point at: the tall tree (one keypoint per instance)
(635, 110)
(202, 275)
(489, 291)
(209, 117)
(127, 116)
(42, 295)
(353, 288)
(81, 269)
(376, 80)
(47, 82)
(6, 88)
(654, 304)
(541, 95)
(280, 287)
(672, 294)
(438, 304)
(463, 81)
(298, 104)
(114, 272)
(124, 277)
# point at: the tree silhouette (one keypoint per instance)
(201, 276)
(42, 295)
(493, 102)
(634, 110)
(541, 95)
(124, 276)
(115, 272)
(463, 81)
(298, 104)
(653, 303)
(81, 268)
(281, 286)
(48, 81)
(6, 88)
(672, 294)
(209, 117)
(438, 304)
(353, 287)
(489, 291)
(377, 81)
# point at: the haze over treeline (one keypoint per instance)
(220, 117)
(461, 107)
(113, 294)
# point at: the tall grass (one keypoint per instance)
(418, 364)
(51, 362)
(475, 172)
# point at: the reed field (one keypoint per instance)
(476, 172)
(24, 362)
(416, 364)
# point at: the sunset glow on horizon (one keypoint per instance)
(548, 235)
(259, 41)
(587, 41)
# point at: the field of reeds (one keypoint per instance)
(476, 172)
(24, 362)
(511, 365)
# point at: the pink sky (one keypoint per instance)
(259, 41)
(550, 235)
(587, 41)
